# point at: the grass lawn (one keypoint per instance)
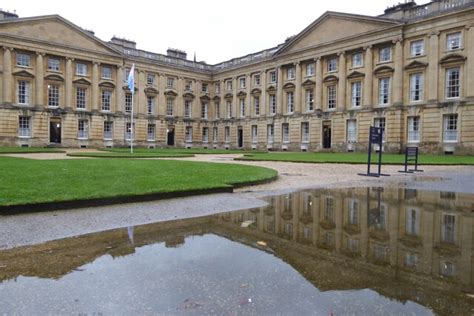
(191, 151)
(139, 154)
(357, 158)
(24, 181)
(26, 150)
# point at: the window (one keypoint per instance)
(413, 129)
(309, 96)
(448, 230)
(53, 64)
(305, 132)
(381, 220)
(83, 129)
(24, 126)
(170, 83)
(291, 73)
(380, 122)
(106, 72)
(256, 105)
(23, 92)
(357, 60)
(417, 48)
(272, 104)
(229, 85)
(270, 134)
(257, 80)
(108, 130)
(23, 60)
(128, 131)
(254, 134)
(290, 97)
(218, 109)
(452, 83)
(332, 65)
(446, 268)
(450, 128)
(150, 104)
(150, 79)
(353, 212)
(169, 106)
(229, 108)
(188, 86)
(80, 98)
(385, 54)
(242, 83)
(412, 226)
(81, 69)
(53, 95)
(331, 97)
(128, 102)
(106, 98)
(215, 134)
(242, 107)
(227, 134)
(384, 91)
(329, 210)
(218, 88)
(188, 134)
(187, 108)
(453, 41)
(285, 132)
(416, 87)
(273, 77)
(356, 93)
(204, 88)
(151, 131)
(411, 260)
(351, 131)
(310, 69)
(205, 134)
(204, 107)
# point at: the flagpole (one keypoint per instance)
(131, 126)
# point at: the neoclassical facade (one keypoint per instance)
(409, 70)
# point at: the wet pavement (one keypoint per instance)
(358, 251)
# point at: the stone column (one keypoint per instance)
(119, 96)
(369, 77)
(7, 75)
(95, 86)
(432, 75)
(140, 94)
(68, 81)
(279, 92)
(248, 105)
(298, 105)
(161, 95)
(397, 89)
(318, 93)
(263, 96)
(235, 101)
(179, 98)
(468, 87)
(39, 79)
(341, 88)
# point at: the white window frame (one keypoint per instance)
(381, 122)
(81, 98)
(215, 134)
(290, 102)
(82, 129)
(417, 48)
(227, 134)
(23, 92)
(290, 73)
(305, 132)
(310, 70)
(81, 69)
(257, 80)
(332, 64)
(106, 100)
(106, 72)
(331, 96)
(169, 106)
(385, 54)
(453, 83)
(54, 64)
(108, 130)
(150, 79)
(270, 134)
(351, 131)
(242, 83)
(384, 91)
(254, 134)
(53, 95)
(450, 128)
(151, 131)
(24, 126)
(412, 222)
(204, 110)
(273, 76)
(453, 41)
(309, 97)
(242, 107)
(23, 60)
(357, 60)
(170, 82)
(150, 104)
(205, 135)
(188, 106)
(229, 85)
(188, 134)
(256, 105)
(285, 132)
(272, 103)
(416, 87)
(229, 108)
(217, 105)
(356, 94)
(413, 126)
(128, 102)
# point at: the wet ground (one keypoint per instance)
(358, 251)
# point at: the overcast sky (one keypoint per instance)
(215, 30)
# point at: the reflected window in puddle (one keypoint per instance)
(412, 222)
(449, 228)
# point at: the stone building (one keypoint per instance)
(409, 70)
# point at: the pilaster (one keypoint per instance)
(95, 86)
(298, 105)
(369, 78)
(68, 82)
(318, 96)
(7, 75)
(398, 75)
(39, 81)
(341, 89)
(433, 60)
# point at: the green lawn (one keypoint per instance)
(26, 150)
(357, 158)
(139, 154)
(191, 151)
(24, 181)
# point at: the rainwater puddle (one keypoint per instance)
(360, 251)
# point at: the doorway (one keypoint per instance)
(55, 130)
(170, 136)
(327, 134)
(240, 136)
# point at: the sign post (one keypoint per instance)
(375, 137)
(411, 155)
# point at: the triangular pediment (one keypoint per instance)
(355, 74)
(55, 30)
(24, 73)
(452, 58)
(82, 81)
(416, 64)
(333, 26)
(256, 91)
(108, 84)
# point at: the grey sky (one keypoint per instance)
(215, 30)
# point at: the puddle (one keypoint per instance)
(359, 251)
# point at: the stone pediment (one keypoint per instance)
(416, 64)
(188, 95)
(330, 78)
(107, 84)
(228, 96)
(289, 86)
(24, 73)
(55, 77)
(205, 98)
(383, 70)
(452, 58)
(355, 74)
(216, 98)
(309, 82)
(55, 30)
(333, 26)
(82, 81)
(256, 91)
(241, 94)
(271, 88)
(171, 93)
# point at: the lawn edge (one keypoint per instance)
(139, 156)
